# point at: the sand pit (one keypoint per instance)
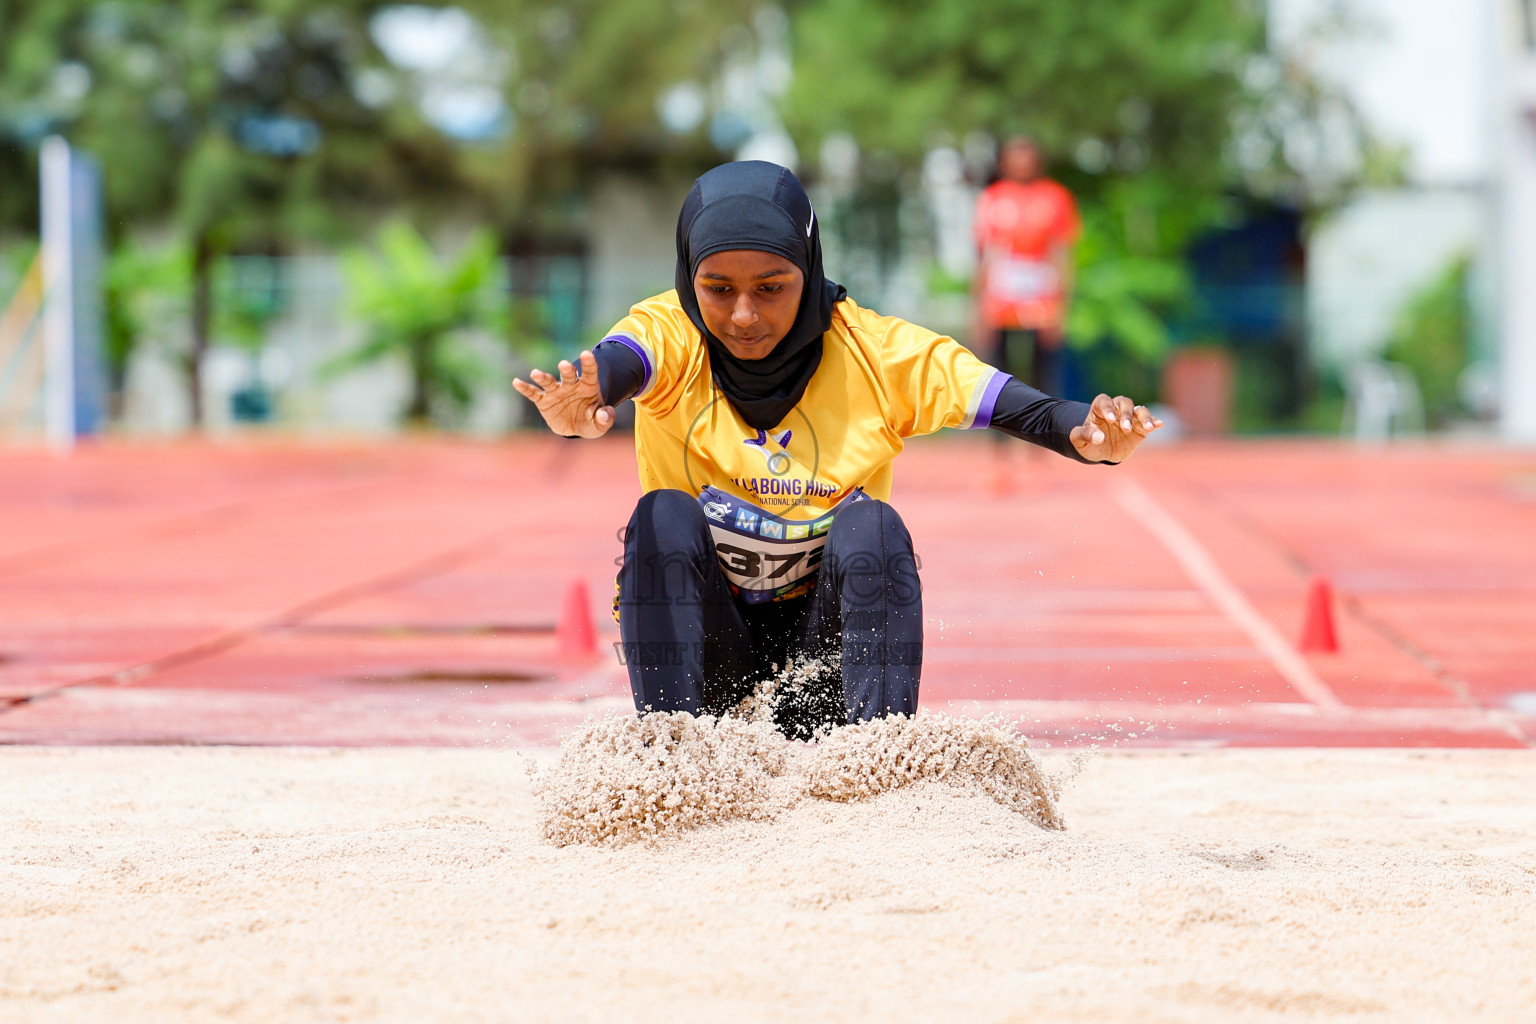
(407, 885)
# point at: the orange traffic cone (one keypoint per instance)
(575, 634)
(1317, 632)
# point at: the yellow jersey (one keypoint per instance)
(770, 495)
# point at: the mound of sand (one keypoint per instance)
(619, 780)
(871, 758)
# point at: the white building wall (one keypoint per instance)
(1367, 260)
(1516, 112)
(1417, 70)
(631, 247)
(1453, 82)
(316, 328)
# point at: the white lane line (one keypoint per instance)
(938, 653)
(1203, 571)
(1273, 715)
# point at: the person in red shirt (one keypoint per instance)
(1026, 225)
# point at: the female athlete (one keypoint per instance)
(769, 408)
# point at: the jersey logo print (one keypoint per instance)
(717, 510)
(778, 462)
(761, 440)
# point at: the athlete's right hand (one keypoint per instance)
(572, 405)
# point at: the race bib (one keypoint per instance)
(1017, 280)
(767, 557)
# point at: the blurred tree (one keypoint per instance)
(143, 288)
(146, 295)
(252, 124)
(1432, 337)
(1154, 113)
(1150, 85)
(586, 95)
(413, 306)
(1131, 277)
(240, 122)
(1133, 102)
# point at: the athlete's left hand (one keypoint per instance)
(1115, 427)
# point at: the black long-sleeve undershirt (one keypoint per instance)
(1020, 411)
(1036, 417)
(620, 373)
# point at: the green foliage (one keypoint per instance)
(143, 288)
(1144, 111)
(1432, 338)
(1121, 300)
(147, 292)
(1116, 302)
(247, 298)
(1108, 369)
(1323, 411)
(942, 282)
(1131, 276)
(14, 263)
(583, 99)
(415, 305)
(167, 92)
(1156, 80)
(169, 95)
(1265, 389)
(235, 121)
(175, 98)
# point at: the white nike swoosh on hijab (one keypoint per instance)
(811, 224)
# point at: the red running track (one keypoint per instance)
(267, 592)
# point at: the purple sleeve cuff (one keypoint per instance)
(988, 401)
(645, 360)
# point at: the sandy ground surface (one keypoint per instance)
(412, 885)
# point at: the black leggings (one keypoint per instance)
(691, 645)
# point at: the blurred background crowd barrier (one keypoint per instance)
(1299, 215)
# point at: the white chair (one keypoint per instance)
(1381, 400)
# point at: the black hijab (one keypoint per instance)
(757, 205)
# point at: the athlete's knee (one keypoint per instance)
(871, 525)
(668, 520)
(869, 554)
(668, 505)
(666, 547)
